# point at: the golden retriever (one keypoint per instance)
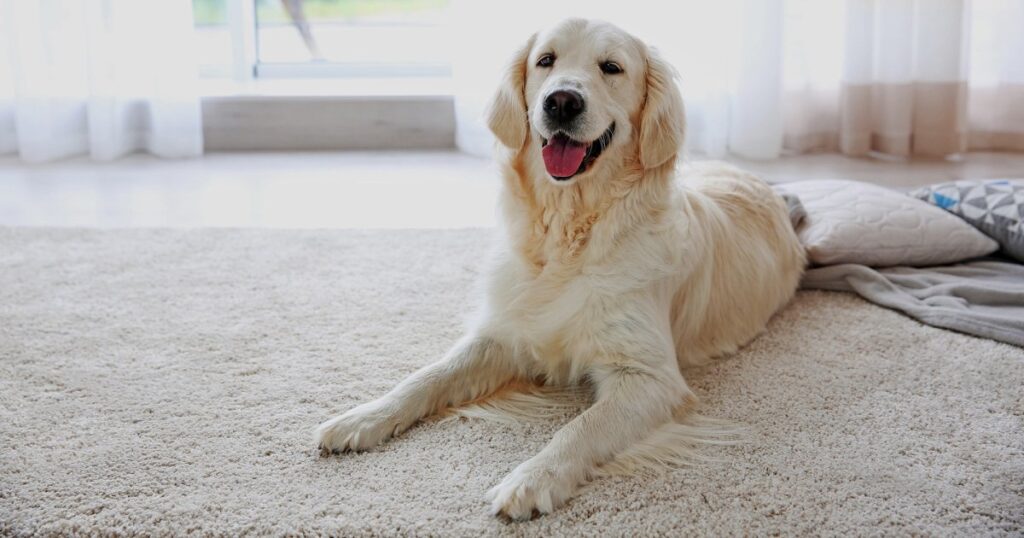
(616, 270)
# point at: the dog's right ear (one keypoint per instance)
(506, 115)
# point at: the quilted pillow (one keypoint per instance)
(854, 222)
(994, 206)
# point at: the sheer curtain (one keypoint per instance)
(765, 77)
(98, 77)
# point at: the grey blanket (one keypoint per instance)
(983, 298)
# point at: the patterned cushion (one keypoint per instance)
(994, 206)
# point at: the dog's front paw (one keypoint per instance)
(531, 488)
(361, 428)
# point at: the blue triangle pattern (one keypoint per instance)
(944, 202)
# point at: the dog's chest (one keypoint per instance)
(552, 314)
(556, 238)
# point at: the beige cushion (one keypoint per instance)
(854, 222)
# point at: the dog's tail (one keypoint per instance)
(684, 441)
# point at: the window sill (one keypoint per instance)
(328, 114)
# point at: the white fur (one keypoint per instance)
(616, 278)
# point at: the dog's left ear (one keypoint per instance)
(506, 115)
(662, 120)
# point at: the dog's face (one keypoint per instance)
(582, 83)
(591, 96)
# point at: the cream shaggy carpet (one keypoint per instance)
(167, 382)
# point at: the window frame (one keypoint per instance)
(242, 24)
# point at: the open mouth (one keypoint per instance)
(565, 158)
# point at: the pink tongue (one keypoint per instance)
(562, 156)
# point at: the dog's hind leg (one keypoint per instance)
(475, 366)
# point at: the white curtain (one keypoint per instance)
(98, 77)
(765, 77)
(995, 102)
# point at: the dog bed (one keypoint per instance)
(850, 228)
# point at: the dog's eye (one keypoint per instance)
(610, 68)
(546, 61)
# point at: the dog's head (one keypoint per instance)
(591, 95)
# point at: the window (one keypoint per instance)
(322, 38)
(213, 37)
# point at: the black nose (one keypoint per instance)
(563, 106)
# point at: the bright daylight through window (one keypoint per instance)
(322, 38)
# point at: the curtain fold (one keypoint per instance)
(995, 101)
(98, 77)
(765, 77)
(755, 127)
(903, 90)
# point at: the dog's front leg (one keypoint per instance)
(632, 399)
(474, 367)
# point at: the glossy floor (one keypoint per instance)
(350, 190)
